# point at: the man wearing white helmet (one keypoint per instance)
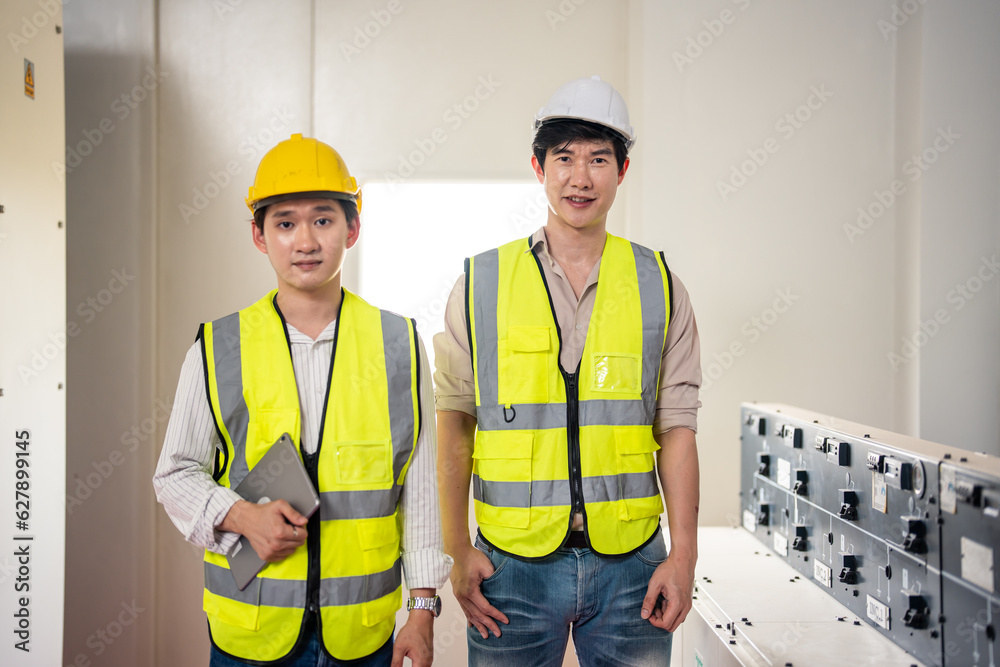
(566, 388)
(349, 383)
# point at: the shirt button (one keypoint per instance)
(579, 326)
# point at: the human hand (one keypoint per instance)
(415, 640)
(674, 580)
(275, 529)
(470, 568)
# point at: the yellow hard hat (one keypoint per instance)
(300, 167)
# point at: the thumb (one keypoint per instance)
(649, 602)
(290, 513)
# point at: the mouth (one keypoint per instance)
(307, 265)
(579, 201)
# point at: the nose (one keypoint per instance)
(305, 238)
(580, 176)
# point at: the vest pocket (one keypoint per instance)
(523, 365)
(639, 495)
(502, 462)
(241, 614)
(619, 373)
(379, 542)
(364, 462)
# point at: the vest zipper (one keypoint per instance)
(573, 441)
(312, 541)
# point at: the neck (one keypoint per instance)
(310, 312)
(576, 246)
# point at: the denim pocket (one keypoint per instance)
(655, 552)
(497, 559)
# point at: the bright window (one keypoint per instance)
(415, 238)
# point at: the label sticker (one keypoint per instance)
(822, 574)
(749, 521)
(29, 79)
(785, 473)
(949, 500)
(878, 612)
(878, 492)
(781, 544)
(977, 564)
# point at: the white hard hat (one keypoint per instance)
(591, 100)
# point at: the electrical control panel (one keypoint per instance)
(901, 531)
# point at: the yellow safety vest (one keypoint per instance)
(350, 569)
(551, 441)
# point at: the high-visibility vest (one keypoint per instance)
(551, 441)
(350, 569)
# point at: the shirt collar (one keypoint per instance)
(296, 337)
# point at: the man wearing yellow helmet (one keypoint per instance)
(350, 384)
(567, 387)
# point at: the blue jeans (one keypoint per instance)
(598, 599)
(313, 656)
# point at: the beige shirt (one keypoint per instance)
(680, 368)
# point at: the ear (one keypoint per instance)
(621, 174)
(353, 232)
(539, 173)
(258, 237)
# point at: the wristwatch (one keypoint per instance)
(432, 605)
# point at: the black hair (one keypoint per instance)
(561, 132)
(349, 207)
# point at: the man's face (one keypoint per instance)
(581, 180)
(306, 241)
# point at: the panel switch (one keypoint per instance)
(848, 505)
(764, 465)
(800, 541)
(801, 479)
(916, 612)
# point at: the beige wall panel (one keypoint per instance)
(750, 202)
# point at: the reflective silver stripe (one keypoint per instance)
(549, 493)
(485, 286)
(291, 593)
(229, 382)
(341, 591)
(618, 487)
(396, 344)
(614, 412)
(493, 417)
(337, 505)
(540, 493)
(596, 412)
(654, 318)
(263, 591)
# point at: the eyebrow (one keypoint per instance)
(565, 150)
(319, 208)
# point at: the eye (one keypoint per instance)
(600, 160)
(283, 224)
(323, 221)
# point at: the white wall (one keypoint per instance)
(717, 80)
(960, 226)
(163, 193)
